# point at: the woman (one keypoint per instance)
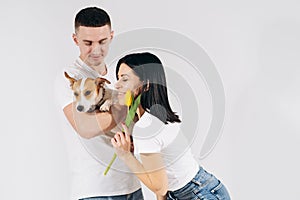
(167, 167)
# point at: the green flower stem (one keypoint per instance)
(110, 163)
(129, 119)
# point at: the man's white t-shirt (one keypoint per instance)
(88, 158)
(150, 135)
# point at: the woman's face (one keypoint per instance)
(127, 80)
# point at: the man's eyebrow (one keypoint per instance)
(92, 41)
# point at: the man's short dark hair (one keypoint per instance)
(92, 17)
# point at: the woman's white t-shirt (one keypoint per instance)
(150, 135)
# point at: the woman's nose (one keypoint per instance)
(117, 85)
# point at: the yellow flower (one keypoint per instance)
(128, 98)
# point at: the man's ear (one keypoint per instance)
(75, 39)
(72, 80)
(112, 35)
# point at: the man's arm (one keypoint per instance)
(89, 125)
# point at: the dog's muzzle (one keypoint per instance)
(80, 108)
(92, 109)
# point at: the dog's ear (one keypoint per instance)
(107, 81)
(99, 81)
(72, 80)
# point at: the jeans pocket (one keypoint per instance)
(220, 192)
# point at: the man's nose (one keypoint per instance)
(96, 48)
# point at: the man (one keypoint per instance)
(93, 35)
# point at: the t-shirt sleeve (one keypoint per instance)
(152, 136)
(62, 90)
(147, 145)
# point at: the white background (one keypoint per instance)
(254, 45)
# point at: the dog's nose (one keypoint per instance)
(80, 108)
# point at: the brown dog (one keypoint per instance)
(91, 94)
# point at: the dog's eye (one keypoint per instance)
(75, 94)
(87, 93)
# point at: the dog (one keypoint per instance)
(91, 94)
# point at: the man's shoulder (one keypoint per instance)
(77, 70)
(62, 90)
(73, 72)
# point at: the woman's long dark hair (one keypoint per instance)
(154, 97)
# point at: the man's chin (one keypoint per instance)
(95, 62)
(95, 65)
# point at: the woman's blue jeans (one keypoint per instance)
(137, 195)
(204, 186)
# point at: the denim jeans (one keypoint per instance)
(204, 186)
(137, 195)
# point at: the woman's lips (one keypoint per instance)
(121, 93)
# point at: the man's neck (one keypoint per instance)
(101, 69)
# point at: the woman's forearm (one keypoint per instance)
(154, 179)
(150, 170)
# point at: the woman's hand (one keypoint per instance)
(122, 143)
(152, 169)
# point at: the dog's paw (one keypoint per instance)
(105, 106)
